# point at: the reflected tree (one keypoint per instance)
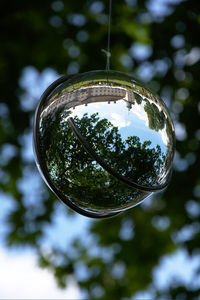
(138, 99)
(156, 117)
(79, 177)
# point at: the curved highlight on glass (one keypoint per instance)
(103, 142)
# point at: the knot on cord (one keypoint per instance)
(108, 55)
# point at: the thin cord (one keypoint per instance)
(107, 52)
(109, 25)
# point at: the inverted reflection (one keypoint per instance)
(103, 142)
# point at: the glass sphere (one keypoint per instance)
(103, 142)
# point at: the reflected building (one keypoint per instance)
(102, 159)
(95, 94)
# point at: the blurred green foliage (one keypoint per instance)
(68, 36)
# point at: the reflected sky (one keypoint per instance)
(127, 120)
(99, 127)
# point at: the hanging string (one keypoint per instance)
(107, 52)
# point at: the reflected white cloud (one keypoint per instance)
(139, 112)
(119, 120)
(164, 136)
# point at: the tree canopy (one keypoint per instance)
(159, 45)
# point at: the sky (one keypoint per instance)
(19, 269)
(20, 276)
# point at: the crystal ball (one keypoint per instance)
(103, 142)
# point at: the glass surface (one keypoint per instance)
(103, 142)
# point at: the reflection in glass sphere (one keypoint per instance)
(103, 142)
